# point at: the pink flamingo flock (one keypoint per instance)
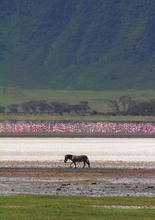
(76, 128)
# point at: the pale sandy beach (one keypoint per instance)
(98, 149)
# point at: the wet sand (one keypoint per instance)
(56, 178)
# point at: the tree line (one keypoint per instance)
(43, 107)
(123, 106)
(127, 106)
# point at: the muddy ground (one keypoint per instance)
(108, 178)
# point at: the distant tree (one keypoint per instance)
(76, 109)
(30, 107)
(13, 108)
(125, 102)
(152, 102)
(84, 106)
(81, 108)
(115, 106)
(66, 108)
(33, 105)
(25, 108)
(140, 108)
(43, 107)
(56, 107)
(2, 109)
(146, 108)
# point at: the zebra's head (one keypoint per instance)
(68, 157)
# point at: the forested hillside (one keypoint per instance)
(84, 44)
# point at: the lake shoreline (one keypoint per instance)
(75, 135)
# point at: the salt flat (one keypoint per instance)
(98, 149)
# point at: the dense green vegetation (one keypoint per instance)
(125, 106)
(66, 207)
(77, 45)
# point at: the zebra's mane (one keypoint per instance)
(69, 155)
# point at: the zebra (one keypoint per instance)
(74, 159)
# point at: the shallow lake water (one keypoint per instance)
(53, 149)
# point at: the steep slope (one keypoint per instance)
(84, 44)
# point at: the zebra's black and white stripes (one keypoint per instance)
(74, 159)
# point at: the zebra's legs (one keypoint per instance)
(73, 163)
(88, 164)
(84, 163)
